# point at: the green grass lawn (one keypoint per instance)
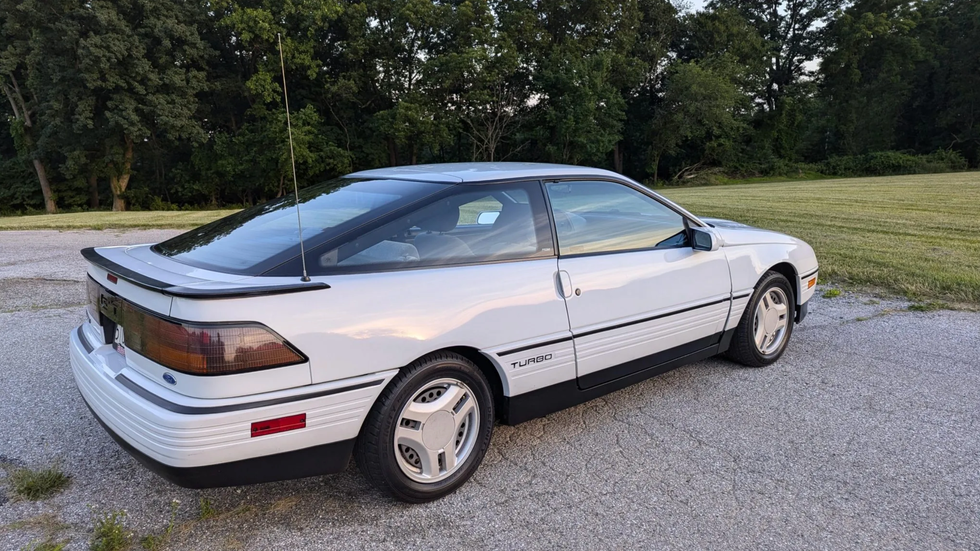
(102, 220)
(915, 235)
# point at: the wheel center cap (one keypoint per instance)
(771, 319)
(437, 430)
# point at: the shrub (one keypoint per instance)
(889, 163)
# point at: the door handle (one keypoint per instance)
(564, 282)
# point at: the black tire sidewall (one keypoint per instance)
(772, 280)
(397, 482)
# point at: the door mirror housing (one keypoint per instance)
(703, 240)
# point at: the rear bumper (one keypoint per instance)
(318, 460)
(208, 443)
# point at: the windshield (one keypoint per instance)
(257, 239)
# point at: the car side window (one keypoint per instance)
(476, 223)
(595, 217)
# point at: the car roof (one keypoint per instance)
(458, 173)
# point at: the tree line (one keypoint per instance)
(167, 103)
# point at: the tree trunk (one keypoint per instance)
(618, 158)
(118, 185)
(392, 152)
(23, 113)
(119, 180)
(93, 192)
(42, 176)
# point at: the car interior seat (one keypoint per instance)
(433, 243)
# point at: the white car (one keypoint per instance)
(440, 299)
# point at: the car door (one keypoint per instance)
(636, 293)
(434, 276)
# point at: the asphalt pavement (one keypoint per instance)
(865, 435)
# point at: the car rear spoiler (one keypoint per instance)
(182, 291)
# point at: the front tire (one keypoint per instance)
(429, 430)
(767, 323)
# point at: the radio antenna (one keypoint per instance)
(292, 160)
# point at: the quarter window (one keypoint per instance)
(594, 217)
(474, 224)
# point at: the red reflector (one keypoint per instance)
(282, 424)
(111, 278)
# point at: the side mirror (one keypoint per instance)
(486, 218)
(704, 240)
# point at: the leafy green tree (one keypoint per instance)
(791, 32)
(724, 39)
(944, 110)
(129, 71)
(18, 183)
(17, 21)
(581, 74)
(407, 52)
(175, 102)
(868, 74)
(697, 118)
(254, 28)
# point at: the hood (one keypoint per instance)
(735, 233)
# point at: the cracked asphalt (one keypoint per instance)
(864, 435)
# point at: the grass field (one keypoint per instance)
(102, 220)
(915, 235)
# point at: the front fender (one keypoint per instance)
(749, 263)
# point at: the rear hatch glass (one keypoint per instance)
(260, 238)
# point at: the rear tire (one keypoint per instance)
(767, 323)
(428, 431)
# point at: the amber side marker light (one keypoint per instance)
(811, 283)
(282, 424)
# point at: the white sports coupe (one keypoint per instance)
(440, 299)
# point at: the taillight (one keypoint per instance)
(93, 296)
(205, 348)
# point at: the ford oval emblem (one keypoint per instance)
(169, 378)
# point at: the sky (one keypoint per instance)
(695, 5)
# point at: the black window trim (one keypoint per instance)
(376, 223)
(641, 189)
(282, 269)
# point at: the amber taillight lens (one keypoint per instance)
(204, 348)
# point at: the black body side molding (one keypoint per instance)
(207, 410)
(810, 273)
(137, 278)
(557, 397)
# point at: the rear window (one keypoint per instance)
(257, 239)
